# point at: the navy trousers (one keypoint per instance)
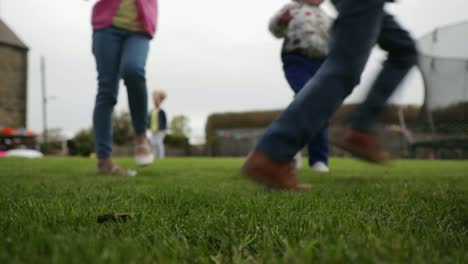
(299, 69)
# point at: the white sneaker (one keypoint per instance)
(320, 166)
(144, 159)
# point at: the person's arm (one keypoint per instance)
(163, 125)
(148, 120)
(279, 22)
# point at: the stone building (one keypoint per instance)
(13, 78)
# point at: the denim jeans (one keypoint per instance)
(299, 69)
(119, 53)
(359, 26)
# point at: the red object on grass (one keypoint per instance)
(7, 131)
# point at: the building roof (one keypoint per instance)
(8, 37)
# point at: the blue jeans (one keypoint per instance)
(119, 54)
(359, 26)
(299, 69)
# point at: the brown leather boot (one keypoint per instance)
(260, 168)
(363, 145)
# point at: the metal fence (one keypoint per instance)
(444, 67)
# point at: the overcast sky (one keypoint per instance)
(209, 55)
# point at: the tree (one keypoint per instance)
(82, 144)
(180, 126)
(122, 129)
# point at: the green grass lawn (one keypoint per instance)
(203, 211)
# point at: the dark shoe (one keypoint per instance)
(363, 145)
(277, 175)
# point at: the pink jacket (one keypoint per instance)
(105, 10)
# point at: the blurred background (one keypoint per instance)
(213, 57)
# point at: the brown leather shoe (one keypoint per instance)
(363, 145)
(260, 168)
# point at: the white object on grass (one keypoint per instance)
(132, 173)
(24, 153)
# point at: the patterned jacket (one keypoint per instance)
(308, 31)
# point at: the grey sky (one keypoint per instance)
(209, 55)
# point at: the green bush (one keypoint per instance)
(82, 144)
(122, 129)
(176, 141)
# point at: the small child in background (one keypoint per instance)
(305, 28)
(157, 124)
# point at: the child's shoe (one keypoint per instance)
(320, 166)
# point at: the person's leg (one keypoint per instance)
(157, 145)
(354, 34)
(318, 147)
(132, 68)
(297, 73)
(107, 45)
(154, 144)
(162, 153)
(402, 56)
(298, 70)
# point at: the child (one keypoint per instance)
(157, 124)
(305, 28)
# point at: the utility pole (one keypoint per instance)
(44, 102)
